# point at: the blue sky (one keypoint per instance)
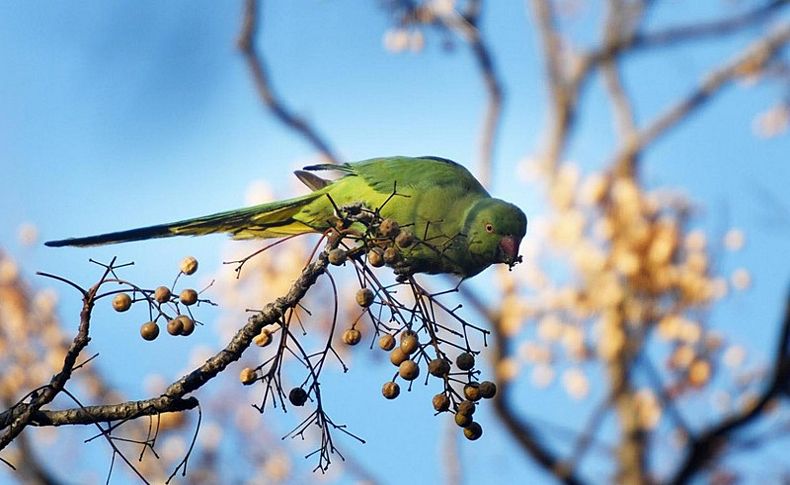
(119, 115)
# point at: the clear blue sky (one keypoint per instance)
(119, 115)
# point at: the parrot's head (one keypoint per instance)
(494, 229)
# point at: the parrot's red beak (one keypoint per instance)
(508, 247)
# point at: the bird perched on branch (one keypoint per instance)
(457, 226)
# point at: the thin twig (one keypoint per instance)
(703, 447)
(750, 59)
(260, 76)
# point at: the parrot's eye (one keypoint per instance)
(489, 228)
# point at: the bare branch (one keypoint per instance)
(563, 89)
(256, 64)
(467, 27)
(715, 28)
(704, 447)
(173, 399)
(751, 59)
(21, 414)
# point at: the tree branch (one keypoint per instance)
(752, 58)
(173, 399)
(256, 65)
(467, 26)
(705, 446)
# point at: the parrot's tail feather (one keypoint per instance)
(274, 219)
(162, 230)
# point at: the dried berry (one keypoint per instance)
(441, 402)
(365, 297)
(397, 356)
(337, 256)
(162, 294)
(409, 370)
(389, 228)
(376, 257)
(439, 367)
(175, 327)
(463, 420)
(487, 389)
(262, 339)
(473, 431)
(121, 302)
(187, 325)
(391, 255)
(472, 391)
(352, 336)
(409, 344)
(407, 333)
(404, 239)
(467, 408)
(189, 265)
(149, 330)
(465, 361)
(247, 376)
(188, 297)
(387, 342)
(390, 390)
(297, 396)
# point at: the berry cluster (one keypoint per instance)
(160, 302)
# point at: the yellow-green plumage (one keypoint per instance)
(447, 210)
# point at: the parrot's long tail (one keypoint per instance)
(274, 219)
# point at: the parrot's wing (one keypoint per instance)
(418, 172)
(312, 180)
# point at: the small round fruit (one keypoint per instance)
(188, 297)
(162, 294)
(409, 344)
(397, 356)
(389, 228)
(487, 389)
(409, 370)
(247, 376)
(391, 255)
(352, 336)
(406, 333)
(121, 302)
(297, 396)
(387, 342)
(149, 330)
(187, 325)
(467, 408)
(390, 390)
(262, 339)
(376, 257)
(337, 256)
(465, 361)
(473, 431)
(404, 239)
(441, 402)
(472, 391)
(439, 367)
(175, 326)
(189, 265)
(365, 297)
(463, 420)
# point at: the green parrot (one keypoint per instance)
(458, 227)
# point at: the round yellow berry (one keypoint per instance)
(121, 302)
